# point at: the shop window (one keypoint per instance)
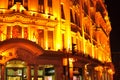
(41, 6)
(50, 39)
(49, 71)
(50, 7)
(40, 37)
(62, 12)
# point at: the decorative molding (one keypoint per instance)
(25, 19)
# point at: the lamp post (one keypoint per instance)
(68, 61)
(68, 66)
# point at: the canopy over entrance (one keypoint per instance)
(19, 49)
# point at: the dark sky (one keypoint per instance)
(113, 8)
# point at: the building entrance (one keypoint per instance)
(16, 70)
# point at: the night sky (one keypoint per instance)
(113, 7)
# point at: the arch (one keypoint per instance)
(20, 49)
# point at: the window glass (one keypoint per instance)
(50, 39)
(40, 37)
(26, 33)
(41, 6)
(50, 7)
(16, 31)
(10, 3)
(71, 16)
(62, 12)
(25, 4)
(8, 32)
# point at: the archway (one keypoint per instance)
(19, 50)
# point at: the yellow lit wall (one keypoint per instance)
(91, 36)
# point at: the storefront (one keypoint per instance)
(24, 60)
(17, 70)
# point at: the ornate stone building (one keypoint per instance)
(55, 40)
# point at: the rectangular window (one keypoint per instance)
(16, 31)
(25, 4)
(10, 3)
(1, 32)
(40, 38)
(91, 3)
(85, 8)
(62, 12)
(50, 39)
(8, 32)
(50, 7)
(41, 6)
(71, 16)
(76, 19)
(26, 33)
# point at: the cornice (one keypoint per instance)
(27, 19)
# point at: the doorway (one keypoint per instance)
(16, 70)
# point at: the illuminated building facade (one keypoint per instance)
(54, 40)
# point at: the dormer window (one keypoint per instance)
(22, 2)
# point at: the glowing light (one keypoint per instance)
(65, 61)
(99, 68)
(110, 71)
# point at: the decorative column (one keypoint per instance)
(2, 72)
(58, 72)
(28, 72)
(35, 72)
(99, 70)
(85, 72)
(46, 38)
